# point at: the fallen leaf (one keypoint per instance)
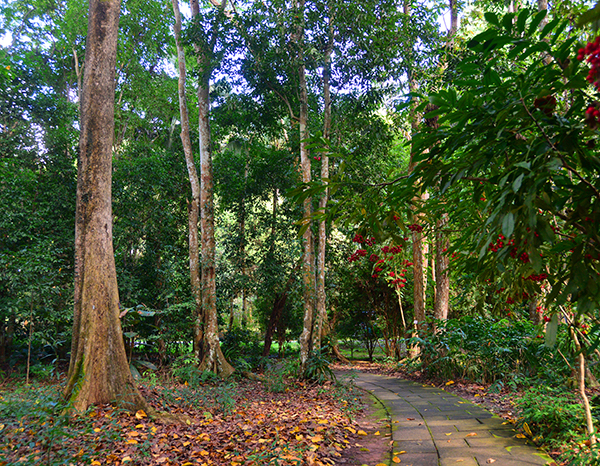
(490, 460)
(472, 434)
(450, 433)
(132, 441)
(140, 414)
(126, 459)
(377, 433)
(361, 432)
(521, 436)
(396, 460)
(527, 429)
(450, 382)
(399, 452)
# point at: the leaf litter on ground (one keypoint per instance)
(305, 425)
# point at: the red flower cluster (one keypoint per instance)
(537, 278)
(373, 257)
(357, 255)
(391, 250)
(361, 240)
(415, 227)
(499, 244)
(592, 52)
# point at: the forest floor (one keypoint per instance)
(233, 423)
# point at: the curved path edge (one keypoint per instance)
(431, 427)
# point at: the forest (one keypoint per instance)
(203, 203)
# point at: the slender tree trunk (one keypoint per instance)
(581, 369)
(194, 203)
(212, 358)
(419, 264)
(98, 371)
(442, 281)
(274, 320)
(308, 274)
(322, 328)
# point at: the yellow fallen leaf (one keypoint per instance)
(361, 432)
(381, 464)
(449, 433)
(140, 414)
(521, 436)
(350, 429)
(185, 444)
(1, 427)
(450, 382)
(140, 426)
(396, 460)
(96, 463)
(187, 463)
(133, 433)
(527, 429)
(317, 439)
(97, 429)
(126, 459)
(377, 433)
(132, 441)
(399, 452)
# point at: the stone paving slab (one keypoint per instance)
(436, 428)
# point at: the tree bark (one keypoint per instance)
(322, 327)
(212, 358)
(419, 264)
(308, 275)
(442, 279)
(194, 203)
(98, 371)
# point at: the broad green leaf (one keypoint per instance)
(551, 331)
(508, 224)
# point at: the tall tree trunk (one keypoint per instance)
(322, 328)
(98, 371)
(194, 203)
(308, 274)
(419, 264)
(213, 358)
(442, 280)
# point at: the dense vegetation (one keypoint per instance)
(449, 176)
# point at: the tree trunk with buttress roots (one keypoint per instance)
(308, 275)
(98, 372)
(212, 358)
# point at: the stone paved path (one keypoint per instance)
(437, 428)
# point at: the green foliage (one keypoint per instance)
(317, 367)
(481, 350)
(242, 348)
(524, 155)
(553, 415)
